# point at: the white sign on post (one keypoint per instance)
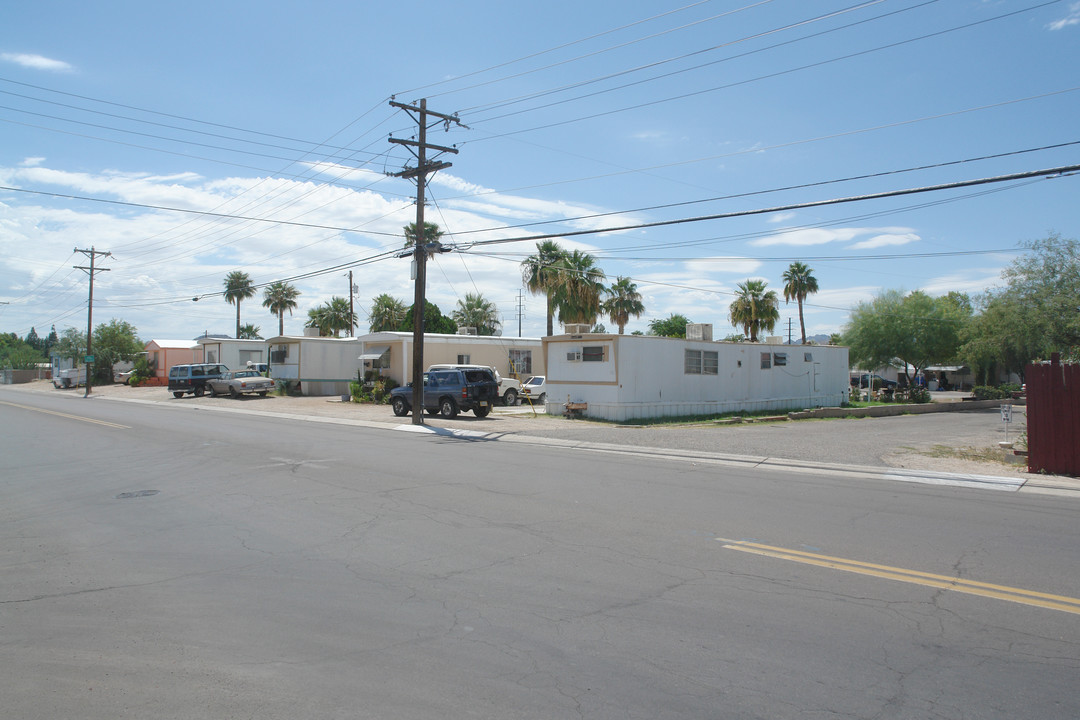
(1006, 413)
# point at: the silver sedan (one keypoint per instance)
(240, 382)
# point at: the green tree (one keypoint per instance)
(249, 331)
(50, 342)
(915, 330)
(387, 314)
(579, 288)
(114, 341)
(432, 237)
(332, 317)
(34, 341)
(1033, 315)
(541, 275)
(755, 309)
(280, 297)
(672, 326)
(799, 282)
(238, 286)
(434, 320)
(478, 312)
(71, 345)
(17, 353)
(623, 302)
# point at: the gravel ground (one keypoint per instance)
(934, 442)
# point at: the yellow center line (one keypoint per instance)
(65, 415)
(944, 582)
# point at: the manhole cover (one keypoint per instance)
(137, 493)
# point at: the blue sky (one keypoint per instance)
(580, 116)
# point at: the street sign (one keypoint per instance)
(88, 358)
(1006, 413)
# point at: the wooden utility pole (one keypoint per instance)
(423, 168)
(91, 253)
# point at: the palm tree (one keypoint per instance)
(278, 297)
(540, 277)
(799, 282)
(249, 331)
(478, 312)
(577, 294)
(432, 233)
(387, 313)
(623, 302)
(755, 309)
(238, 287)
(332, 316)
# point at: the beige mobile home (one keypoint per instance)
(390, 353)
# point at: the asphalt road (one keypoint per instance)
(164, 562)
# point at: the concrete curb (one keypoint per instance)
(899, 409)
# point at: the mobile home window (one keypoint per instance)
(692, 362)
(808, 357)
(521, 362)
(279, 354)
(779, 359)
(701, 362)
(766, 361)
(710, 362)
(592, 353)
(464, 359)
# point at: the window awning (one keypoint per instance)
(374, 353)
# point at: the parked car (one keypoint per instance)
(239, 383)
(192, 379)
(534, 389)
(509, 388)
(448, 392)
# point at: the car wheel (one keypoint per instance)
(510, 397)
(178, 394)
(481, 411)
(213, 392)
(263, 393)
(542, 399)
(198, 390)
(234, 392)
(448, 408)
(399, 406)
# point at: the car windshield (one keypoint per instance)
(245, 373)
(535, 381)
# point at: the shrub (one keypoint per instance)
(918, 394)
(988, 392)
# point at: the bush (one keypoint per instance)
(918, 394)
(379, 393)
(991, 393)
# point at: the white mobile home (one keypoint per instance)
(627, 377)
(232, 353)
(318, 365)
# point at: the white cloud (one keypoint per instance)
(32, 161)
(806, 237)
(1071, 18)
(37, 62)
(781, 217)
(885, 240)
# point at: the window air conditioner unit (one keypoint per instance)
(573, 356)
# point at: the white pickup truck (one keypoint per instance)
(509, 388)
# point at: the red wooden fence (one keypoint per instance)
(1053, 417)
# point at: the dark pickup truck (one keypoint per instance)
(448, 392)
